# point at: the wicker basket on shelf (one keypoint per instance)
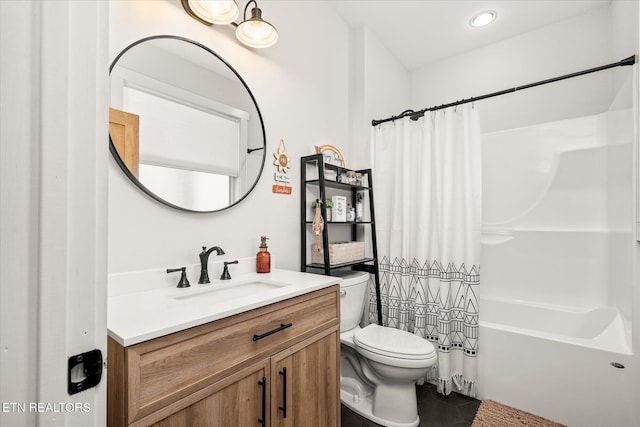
(339, 253)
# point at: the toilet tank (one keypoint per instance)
(352, 298)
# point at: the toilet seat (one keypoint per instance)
(394, 347)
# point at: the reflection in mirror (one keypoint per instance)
(184, 126)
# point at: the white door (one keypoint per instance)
(53, 208)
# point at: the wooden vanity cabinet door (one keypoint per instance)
(243, 401)
(312, 383)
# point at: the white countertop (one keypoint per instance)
(140, 316)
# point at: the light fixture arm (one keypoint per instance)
(244, 16)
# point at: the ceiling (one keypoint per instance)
(419, 32)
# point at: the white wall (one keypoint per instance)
(19, 212)
(562, 48)
(380, 88)
(53, 198)
(302, 88)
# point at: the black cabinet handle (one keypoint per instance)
(263, 420)
(283, 408)
(282, 327)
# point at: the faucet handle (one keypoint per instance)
(184, 282)
(225, 273)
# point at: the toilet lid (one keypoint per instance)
(393, 342)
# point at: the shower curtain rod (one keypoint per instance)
(415, 115)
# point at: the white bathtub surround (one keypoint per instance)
(428, 202)
(557, 257)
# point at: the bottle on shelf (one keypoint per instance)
(351, 213)
(359, 206)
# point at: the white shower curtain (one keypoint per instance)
(427, 180)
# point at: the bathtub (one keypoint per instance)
(556, 362)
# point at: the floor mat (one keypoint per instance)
(494, 414)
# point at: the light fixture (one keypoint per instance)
(256, 32)
(483, 18)
(220, 12)
(253, 32)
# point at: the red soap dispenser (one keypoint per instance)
(263, 257)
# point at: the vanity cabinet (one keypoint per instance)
(277, 365)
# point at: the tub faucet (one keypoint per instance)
(204, 262)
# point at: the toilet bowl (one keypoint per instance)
(378, 365)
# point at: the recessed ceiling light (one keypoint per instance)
(483, 18)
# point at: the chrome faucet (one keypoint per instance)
(204, 262)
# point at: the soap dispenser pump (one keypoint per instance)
(263, 257)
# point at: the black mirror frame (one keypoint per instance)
(132, 178)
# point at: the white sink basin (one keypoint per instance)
(220, 293)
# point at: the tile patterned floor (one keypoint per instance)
(435, 410)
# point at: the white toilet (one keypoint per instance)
(378, 365)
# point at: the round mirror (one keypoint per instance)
(183, 124)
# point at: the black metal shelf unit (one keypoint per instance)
(321, 184)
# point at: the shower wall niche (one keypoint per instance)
(558, 211)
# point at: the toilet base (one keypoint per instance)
(364, 407)
(360, 397)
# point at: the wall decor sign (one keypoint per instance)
(339, 210)
(282, 164)
(331, 155)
